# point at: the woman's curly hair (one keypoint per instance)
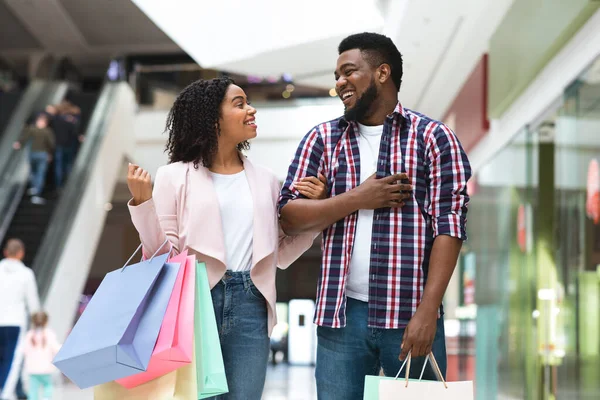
(193, 122)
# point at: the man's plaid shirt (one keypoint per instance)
(402, 238)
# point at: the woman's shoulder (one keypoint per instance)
(172, 168)
(174, 172)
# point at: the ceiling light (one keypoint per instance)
(332, 92)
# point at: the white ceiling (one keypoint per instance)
(89, 32)
(441, 40)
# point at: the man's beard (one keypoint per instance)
(363, 104)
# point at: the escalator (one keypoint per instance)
(30, 220)
(8, 103)
(14, 165)
(61, 236)
(95, 115)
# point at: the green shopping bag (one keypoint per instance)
(210, 370)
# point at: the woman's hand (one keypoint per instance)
(139, 183)
(312, 187)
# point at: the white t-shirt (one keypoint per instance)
(237, 217)
(18, 293)
(357, 287)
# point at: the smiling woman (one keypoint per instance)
(216, 204)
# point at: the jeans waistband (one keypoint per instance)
(237, 278)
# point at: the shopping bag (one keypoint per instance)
(116, 334)
(176, 385)
(174, 346)
(210, 370)
(384, 388)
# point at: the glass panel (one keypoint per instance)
(577, 206)
(501, 227)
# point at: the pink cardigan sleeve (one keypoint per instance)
(156, 219)
(290, 247)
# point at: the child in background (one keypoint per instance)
(40, 348)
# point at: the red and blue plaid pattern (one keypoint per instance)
(402, 238)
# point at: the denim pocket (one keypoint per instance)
(253, 292)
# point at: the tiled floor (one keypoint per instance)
(283, 383)
(291, 383)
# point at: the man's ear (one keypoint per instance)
(384, 73)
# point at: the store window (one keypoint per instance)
(500, 228)
(577, 211)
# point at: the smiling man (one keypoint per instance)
(393, 223)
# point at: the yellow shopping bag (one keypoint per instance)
(177, 385)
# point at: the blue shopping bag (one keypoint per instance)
(115, 336)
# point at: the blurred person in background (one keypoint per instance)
(211, 200)
(40, 347)
(393, 226)
(18, 299)
(40, 139)
(65, 125)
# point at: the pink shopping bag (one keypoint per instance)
(175, 344)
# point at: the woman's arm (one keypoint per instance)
(153, 212)
(292, 247)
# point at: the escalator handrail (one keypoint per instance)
(15, 124)
(57, 232)
(13, 164)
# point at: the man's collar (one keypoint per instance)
(398, 111)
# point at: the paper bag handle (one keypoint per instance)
(151, 258)
(434, 364)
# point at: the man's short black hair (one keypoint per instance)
(377, 49)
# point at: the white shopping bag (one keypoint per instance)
(405, 389)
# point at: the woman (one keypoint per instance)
(214, 202)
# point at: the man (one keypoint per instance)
(392, 227)
(18, 299)
(65, 127)
(41, 140)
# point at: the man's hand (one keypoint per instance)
(385, 192)
(419, 334)
(139, 183)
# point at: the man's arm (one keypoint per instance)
(50, 141)
(449, 171)
(303, 215)
(23, 138)
(32, 297)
